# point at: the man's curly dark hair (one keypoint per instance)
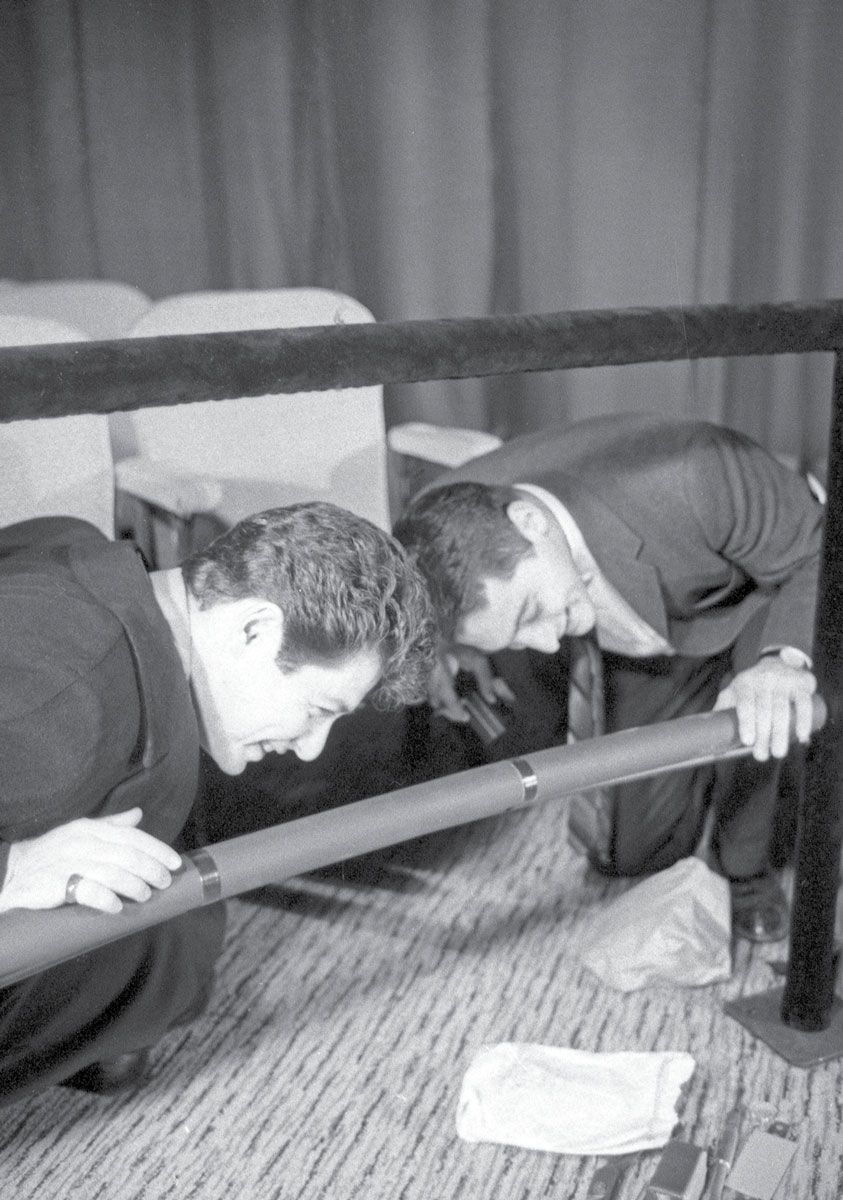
(343, 586)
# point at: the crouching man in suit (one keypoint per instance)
(689, 557)
(110, 682)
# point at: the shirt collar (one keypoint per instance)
(582, 556)
(171, 593)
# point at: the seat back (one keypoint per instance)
(103, 308)
(54, 465)
(269, 450)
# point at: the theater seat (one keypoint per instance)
(102, 308)
(54, 465)
(226, 459)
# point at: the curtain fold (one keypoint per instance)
(439, 159)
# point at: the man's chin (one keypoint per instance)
(230, 761)
(231, 766)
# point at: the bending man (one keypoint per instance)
(111, 681)
(691, 556)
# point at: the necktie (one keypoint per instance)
(590, 814)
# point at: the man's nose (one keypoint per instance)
(311, 744)
(543, 638)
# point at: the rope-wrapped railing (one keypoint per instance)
(104, 377)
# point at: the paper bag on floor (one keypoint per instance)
(674, 928)
(572, 1101)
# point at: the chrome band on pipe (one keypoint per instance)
(208, 873)
(529, 779)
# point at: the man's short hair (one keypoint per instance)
(459, 534)
(343, 586)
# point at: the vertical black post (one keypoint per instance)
(809, 991)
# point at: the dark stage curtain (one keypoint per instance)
(447, 159)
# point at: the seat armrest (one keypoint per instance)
(442, 444)
(161, 485)
(418, 452)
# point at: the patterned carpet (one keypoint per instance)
(348, 1007)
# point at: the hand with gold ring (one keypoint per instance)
(108, 858)
(70, 888)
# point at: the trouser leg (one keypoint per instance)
(114, 1000)
(745, 799)
(659, 820)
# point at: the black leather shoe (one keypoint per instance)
(111, 1075)
(760, 911)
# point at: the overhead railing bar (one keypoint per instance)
(103, 377)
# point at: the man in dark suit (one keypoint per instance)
(110, 682)
(691, 555)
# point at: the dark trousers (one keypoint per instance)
(120, 998)
(660, 820)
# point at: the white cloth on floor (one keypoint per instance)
(572, 1101)
(674, 928)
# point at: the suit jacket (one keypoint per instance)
(95, 710)
(698, 527)
(95, 717)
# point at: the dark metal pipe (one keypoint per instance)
(809, 989)
(32, 941)
(103, 377)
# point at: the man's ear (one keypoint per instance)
(529, 519)
(261, 626)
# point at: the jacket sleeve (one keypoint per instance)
(760, 517)
(69, 710)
